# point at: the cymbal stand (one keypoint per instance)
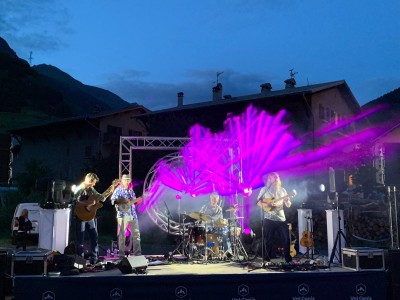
(205, 258)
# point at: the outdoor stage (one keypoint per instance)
(198, 279)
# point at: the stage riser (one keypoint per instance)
(304, 286)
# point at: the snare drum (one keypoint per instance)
(197, 234)
(212, 242)
(221, 223)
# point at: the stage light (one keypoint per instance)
(247, 231)
(193, 195)
(178, 197)
(73, 188)
(247, 191)
(322, 187)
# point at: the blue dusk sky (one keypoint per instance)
(148, 51)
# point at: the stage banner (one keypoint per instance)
(292, 285)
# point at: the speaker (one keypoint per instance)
(70, 261)
(133, 264)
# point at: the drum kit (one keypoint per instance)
(209, 239)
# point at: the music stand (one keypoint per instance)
(339, 234)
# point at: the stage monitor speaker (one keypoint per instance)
(133, 264)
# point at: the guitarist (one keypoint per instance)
(82, 193)
(274, 215)
(124, 200)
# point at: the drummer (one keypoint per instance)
(214, 209)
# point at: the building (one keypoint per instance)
(70, 146)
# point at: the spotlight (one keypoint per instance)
(247, 191)
(193, 195)
(322, 187)
(247, 231)
(178, 197)
(73, 188)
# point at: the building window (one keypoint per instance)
(114, 130)
(321, 112)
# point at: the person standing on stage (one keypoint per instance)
(274, 215)
(214, 209)
(124, 199)
(81, 193)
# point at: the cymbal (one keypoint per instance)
(199, 216)
(233, 208)
(235, 218)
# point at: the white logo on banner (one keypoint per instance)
(48, 295)
(181, 292)
(243, 290)
(361, 289)
(116, 294)
(303, 289)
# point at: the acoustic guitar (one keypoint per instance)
(306, 238)
(86, 210)
(292, 241)
(267, 203)
(124, 207)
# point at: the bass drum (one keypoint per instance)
(212, 242)
(197, 235)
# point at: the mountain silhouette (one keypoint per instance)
(389, 109)
(47, 89)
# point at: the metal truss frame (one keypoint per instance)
(129, 143)
(126, 165)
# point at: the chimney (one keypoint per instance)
(217, 92)
(265, 88)
(180, 99)
(290, 83)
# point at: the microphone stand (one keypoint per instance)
(263, 265)
(168, 214)
(338, 235)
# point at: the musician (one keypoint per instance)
(214, 209)
(124, 198)
(274, 215)
(82, 192)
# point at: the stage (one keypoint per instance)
(180, 278)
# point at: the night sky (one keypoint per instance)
(148, 51)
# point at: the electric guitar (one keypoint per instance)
(306, 238)
(124, 207)
(86, 210)
(268, 203)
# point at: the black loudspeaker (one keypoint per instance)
(133, 264)
(66, 262)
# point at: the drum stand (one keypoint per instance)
(237, 245)
(183, 244)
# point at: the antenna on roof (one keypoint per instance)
(30, 58)
(292, 73)
(218, 74)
